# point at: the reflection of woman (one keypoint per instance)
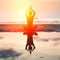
(30, 45)
(30, 15)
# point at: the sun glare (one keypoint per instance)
(21, 17)
(22, 12)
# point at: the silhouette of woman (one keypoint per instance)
(30, 30)
(30, 13)
(30, 45)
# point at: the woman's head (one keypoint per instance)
(30, 47)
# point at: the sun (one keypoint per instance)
(21, 16)
(22, 12)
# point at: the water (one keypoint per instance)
(47, 45)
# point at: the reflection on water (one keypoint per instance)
(50, 50)
(30, 44)
(30, 31)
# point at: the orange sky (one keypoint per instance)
(14, 9)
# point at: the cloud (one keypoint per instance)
(6, 53)
(47, 39)
(54, 41)
(1, 37)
